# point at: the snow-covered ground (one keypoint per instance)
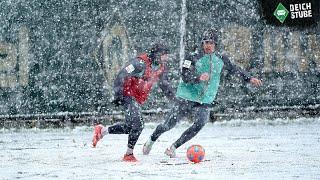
(255, 149)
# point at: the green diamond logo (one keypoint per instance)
(281, 13)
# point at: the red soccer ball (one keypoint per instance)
(195, 153)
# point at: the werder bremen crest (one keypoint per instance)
(112, 51)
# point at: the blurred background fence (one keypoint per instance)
(58, 58)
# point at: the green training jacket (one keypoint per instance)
(202, 91)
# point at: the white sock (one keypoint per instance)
(149, 142)
(172, 148)
(104, 131)
(129, 151)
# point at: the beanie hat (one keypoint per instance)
(210, 35)
(159, 48)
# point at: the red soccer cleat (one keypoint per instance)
(97, 134)
(129, 158)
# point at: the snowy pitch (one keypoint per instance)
(256, 149)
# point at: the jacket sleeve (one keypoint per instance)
(234, 69)
(189, 74)
(166, 86)
(135, 68)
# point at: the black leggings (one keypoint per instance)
(201, 114)
(133, 124)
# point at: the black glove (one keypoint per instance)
(118, 101)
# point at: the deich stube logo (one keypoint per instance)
(297, 11)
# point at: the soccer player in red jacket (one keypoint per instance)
(132, 88)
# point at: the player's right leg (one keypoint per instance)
(99, 132)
